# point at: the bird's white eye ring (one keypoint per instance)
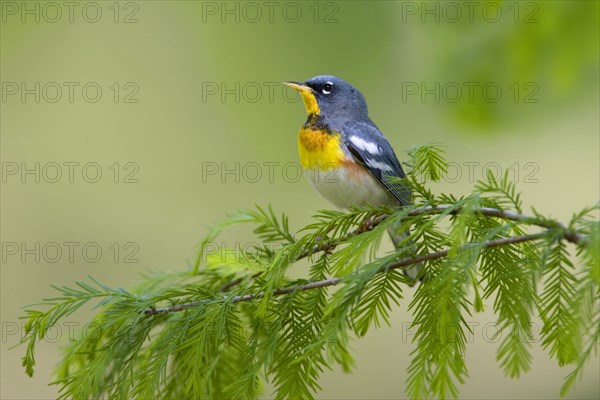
(327, 88)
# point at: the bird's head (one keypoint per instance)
(330, 96)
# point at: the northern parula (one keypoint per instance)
(345, 156)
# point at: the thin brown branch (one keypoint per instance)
(569, 234)
(324, 246)
(366, 226)
(334, 281)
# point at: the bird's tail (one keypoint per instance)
(413, 273)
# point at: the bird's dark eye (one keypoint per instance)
(327, 88)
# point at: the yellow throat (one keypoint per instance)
(319, 149)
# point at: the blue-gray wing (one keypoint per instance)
(371, 149)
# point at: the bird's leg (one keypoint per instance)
(367, 225)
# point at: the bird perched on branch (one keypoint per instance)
(346, 157)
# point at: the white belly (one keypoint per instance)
(345, 188)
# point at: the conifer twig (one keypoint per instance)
(569, 234)
(334, 281)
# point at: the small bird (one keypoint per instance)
(345, 156)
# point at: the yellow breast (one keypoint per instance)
(319, 149)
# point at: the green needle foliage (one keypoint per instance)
(235, 319)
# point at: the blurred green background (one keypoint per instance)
(190, 89)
